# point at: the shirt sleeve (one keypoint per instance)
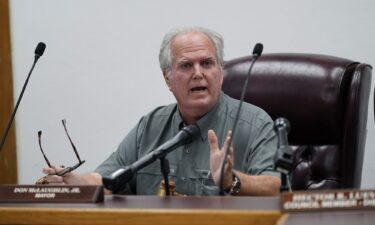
(263, 149)
(125, 154)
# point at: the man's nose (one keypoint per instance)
(198, 72)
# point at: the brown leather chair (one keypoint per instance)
(325, 98)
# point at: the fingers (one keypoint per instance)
(49, 171)
(52, 170)
(229, 164)
(215, 149)
(212, 140)
(51, 177)
(231, 153)
(217, 155)
(228, 140)
(58, 168)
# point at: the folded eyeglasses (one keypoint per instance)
(66, 169)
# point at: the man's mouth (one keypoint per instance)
(198, 89)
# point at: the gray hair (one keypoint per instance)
(165, 54)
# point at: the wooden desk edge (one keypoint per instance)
(101, 216)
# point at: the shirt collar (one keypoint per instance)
(206, 122)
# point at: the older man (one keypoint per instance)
(191, 60)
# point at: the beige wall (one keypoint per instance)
(100, 68)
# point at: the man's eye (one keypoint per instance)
(185, 66)
(206, 63)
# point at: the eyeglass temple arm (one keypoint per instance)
(70, 140)
(69, 169)
(41, 149)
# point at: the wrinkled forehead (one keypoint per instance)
(191, 43)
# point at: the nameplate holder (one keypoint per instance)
(51, 193)
(302, 201)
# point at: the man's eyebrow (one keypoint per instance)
(208, 57)
(184, 60)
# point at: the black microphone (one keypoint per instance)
(118, 179)
(39, 50)
(284, 154)
(257, 52)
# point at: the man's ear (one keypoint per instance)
(222, 75)
(167, 74)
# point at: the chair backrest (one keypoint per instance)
(325, 98)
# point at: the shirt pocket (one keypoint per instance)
(206, 184)
(149, 178)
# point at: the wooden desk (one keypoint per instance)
(148, 210)
(153, 210)
(343, 217)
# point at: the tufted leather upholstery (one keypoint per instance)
(325, 98)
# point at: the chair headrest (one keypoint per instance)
(307, 89)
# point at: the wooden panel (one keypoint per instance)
(119, 209)
(8, 157)
(135, 216)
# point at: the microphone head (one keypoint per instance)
(282, 123)
(258, 50)
(193, 132)
(39, 50)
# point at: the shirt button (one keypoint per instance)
(187, 151)
(183, 179)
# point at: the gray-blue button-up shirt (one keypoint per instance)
(254, 144)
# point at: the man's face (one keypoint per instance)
(196, 77)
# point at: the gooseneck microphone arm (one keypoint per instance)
(257, 52)
(39, 50)
(119, 178)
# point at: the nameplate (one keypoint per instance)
(51, 194)
(327, 200)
